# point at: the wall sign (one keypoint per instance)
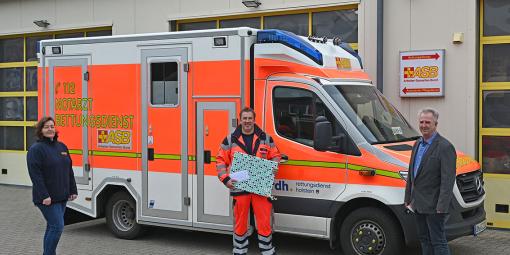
(422, 73)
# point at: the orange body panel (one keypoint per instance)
(266, 67)
(312, 174)
(215, 124)
(115, 91)
(166, 129)
(465, 163)
(68, 103)
(403, 156)
(216, 121)
(218, 78)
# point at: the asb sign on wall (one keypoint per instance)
(422, 73)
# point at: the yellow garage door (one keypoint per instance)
(494, 109)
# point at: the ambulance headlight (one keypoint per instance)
(403, 174)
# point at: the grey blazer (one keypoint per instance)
(431, 190)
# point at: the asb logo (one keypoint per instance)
(408, 72)
(102, 136)
(423, 72)
(120, 139)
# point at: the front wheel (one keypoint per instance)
(370, 231)
(121, 216)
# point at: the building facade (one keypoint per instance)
(474, 34)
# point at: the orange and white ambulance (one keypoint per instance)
(143, 116)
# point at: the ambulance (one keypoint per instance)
(144, 115)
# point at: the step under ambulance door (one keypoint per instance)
(164, 114)
(213, 204)
(67, 101)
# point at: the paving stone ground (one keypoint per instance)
(22, 227)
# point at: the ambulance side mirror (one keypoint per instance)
(323, 139)
(322, 134)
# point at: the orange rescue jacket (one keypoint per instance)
(262, 147)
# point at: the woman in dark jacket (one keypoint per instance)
(53, 184)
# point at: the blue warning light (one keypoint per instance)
(291, 40)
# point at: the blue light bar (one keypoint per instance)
(291, 40)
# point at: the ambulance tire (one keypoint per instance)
(370, 231)
(121, 216)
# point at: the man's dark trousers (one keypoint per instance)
(431, 233)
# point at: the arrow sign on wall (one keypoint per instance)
(420, 90)
(415, 57)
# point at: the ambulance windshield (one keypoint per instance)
(376, 118)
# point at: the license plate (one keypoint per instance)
(480, 227)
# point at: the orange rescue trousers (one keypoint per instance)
(262, 209)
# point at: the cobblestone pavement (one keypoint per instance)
(22, 227)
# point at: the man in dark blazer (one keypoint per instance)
(430, 181)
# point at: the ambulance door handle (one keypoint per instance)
(150, 154)
(284, 158)
(207, 157)
(87, 167)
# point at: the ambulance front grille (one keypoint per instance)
(471, 186)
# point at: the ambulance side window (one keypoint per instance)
(164, 83)
(295, 111)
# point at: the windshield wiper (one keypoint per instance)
(412, 138)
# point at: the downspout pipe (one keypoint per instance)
(380, 52)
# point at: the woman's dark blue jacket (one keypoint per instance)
(51, 172)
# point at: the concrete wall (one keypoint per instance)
(15, 163)
(129, 16)
(422, 25)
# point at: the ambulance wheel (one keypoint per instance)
(121, 216)
(370, 231)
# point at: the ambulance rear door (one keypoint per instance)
(66, 98)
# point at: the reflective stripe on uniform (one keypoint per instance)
(225, 147)
(240, 244)
(236, 251)
(266, 245)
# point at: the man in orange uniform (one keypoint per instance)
(250, 139)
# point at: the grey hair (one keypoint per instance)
(435, 113)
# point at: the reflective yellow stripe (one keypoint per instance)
(388, 174)
(117, 154)
(75, 152)
(308, 163)
(342, 166)
(314, 163)
(167, 156)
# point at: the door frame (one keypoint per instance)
(203, 218)
(165, 53)
(83, 61)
